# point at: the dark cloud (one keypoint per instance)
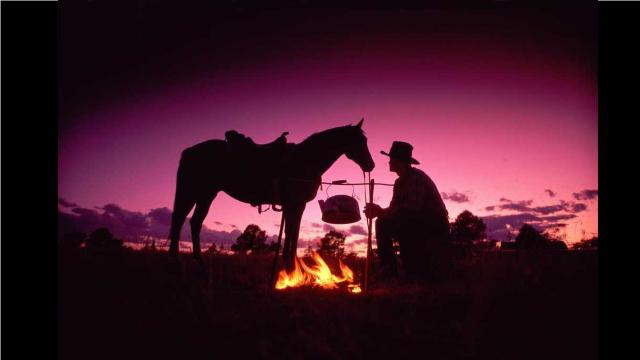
(135, 226)
(305, 243)
(161, 215)
(327, 228)
(360, 241)
(218, 223)
(132, 220)
(573, 207)
(358, 230)
(546, 210)
(455, 197)
(586, 194)
(558, 217)
(550, 192)
(555, 225)
(497, 224)
(517, 206)
(578, 207)
(524, 206)
(87, 215)
(65, 203)
(316, 225)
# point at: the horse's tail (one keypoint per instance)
(183, 201)
(181, 176)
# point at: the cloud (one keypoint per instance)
(578, 207)
(558, 217)
(65, 203)
(305, 243)
(555, 225)
(586, 194)
(455, 197)
(316, 225)
(134, 225)
(327, 228)
(500, 221)
(573, 207)
(517, 206)
(161, 215)
(525, 206)
(550, 209)
(87, 215)
(218, 223)
(130, 219)
(360, 241)
(550, 192)
(499, 226)
(358, 230)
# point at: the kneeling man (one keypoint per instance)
(416, 217)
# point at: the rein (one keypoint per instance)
(335, 182)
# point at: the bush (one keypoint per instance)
(103, 239)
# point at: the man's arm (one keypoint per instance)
(372, 210)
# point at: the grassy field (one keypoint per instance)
(133, 305)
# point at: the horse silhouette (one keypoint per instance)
(279, 173)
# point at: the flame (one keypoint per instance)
(317, 274)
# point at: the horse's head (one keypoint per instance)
(356, 147)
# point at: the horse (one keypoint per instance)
(288, 175)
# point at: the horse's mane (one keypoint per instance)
(321, 135)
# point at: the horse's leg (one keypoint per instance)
(181, 207)
(202, 209)
(182, 204)
(292, 218)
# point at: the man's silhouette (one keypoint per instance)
(416, 217)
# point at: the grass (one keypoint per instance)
(132, 305)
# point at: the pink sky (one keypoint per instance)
(491, 122)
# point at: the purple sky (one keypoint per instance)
(499, 104)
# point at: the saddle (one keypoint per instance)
(241, 142)
(267, 160)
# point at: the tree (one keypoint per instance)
(308, 251)
(531, 239)
(252, 239)
(73, 240)
(102, 239)
(212, 250)
(557, 245)
(555, 239)
(587, 244)
(468, 229)
(332, 244)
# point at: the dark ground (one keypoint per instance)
(127, 305)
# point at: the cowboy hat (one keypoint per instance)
(402, 151)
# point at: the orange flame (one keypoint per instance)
(317, 274)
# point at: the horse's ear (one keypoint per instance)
(360, 123)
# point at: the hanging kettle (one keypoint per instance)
(340, 209)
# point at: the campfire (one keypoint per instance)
(317, 274)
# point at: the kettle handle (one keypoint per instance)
(341, 182)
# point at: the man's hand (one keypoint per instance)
(372, 210)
